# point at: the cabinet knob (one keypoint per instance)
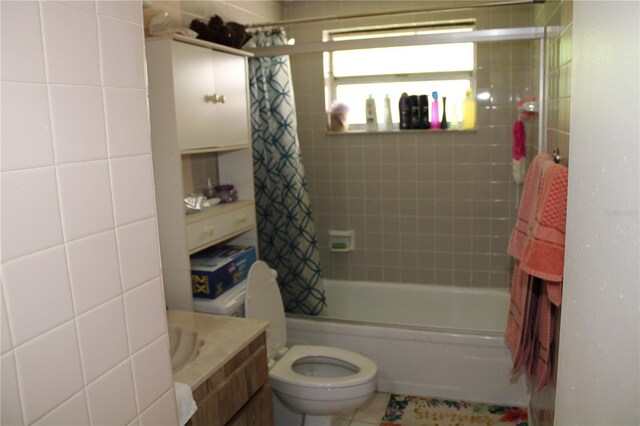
(242, 218)
(215, 98)
(209, 230)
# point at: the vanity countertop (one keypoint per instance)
(223, 338)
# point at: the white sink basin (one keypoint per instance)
(185, 347)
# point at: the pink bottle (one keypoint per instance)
(435, 115)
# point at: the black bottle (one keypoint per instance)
(405, 112)
(423, 104)
(415, 112)
(444, 124)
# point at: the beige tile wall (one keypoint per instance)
(84, 333)
(432, 208)
(558, 80)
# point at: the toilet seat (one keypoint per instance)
(283, 371)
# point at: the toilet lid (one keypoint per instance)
(263, 301)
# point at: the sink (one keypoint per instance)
(184, 345)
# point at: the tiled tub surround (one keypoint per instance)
(433, 207)
(84, 336)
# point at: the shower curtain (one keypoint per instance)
(286, 232)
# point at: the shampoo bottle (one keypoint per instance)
(435, 115)
(371, 116)
(468, 112)
(388, 121)
(415, 112)
(423, 104)
(405, 112)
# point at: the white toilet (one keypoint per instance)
(319, 382)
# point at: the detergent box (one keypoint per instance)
(216, 270)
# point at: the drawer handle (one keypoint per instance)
(209, 230)
(242, 218)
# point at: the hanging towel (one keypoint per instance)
(528, 205)
(519, 322)
(543, 252)
(541, 365)
(519, 153)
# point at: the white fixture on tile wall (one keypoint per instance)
(83, 320)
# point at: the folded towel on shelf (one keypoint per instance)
(543, 252)
(528, 205)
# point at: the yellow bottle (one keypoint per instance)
(468, 112)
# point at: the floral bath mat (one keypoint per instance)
(404, 410)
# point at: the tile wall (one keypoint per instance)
(84, 334)
(558, 80)
(432, 208)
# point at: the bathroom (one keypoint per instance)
(72, 139)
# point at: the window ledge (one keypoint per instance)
(396, 131)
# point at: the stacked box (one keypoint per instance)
(216, 270)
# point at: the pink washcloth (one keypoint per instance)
(528, 205)
(543, 253)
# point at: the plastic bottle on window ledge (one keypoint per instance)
(388, 121)
(423, 104)
(468, 112)
(435, 115)
(415, 112)
(371, 116)
(405, 112)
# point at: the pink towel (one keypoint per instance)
(517, 334)
(528, 205)
(542, 364)
(543, 252)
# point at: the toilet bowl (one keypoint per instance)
(307, 379)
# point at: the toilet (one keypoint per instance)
(318, 382)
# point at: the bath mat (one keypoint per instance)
(404, 410)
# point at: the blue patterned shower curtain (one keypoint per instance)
(286, 233)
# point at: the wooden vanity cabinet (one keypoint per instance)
(239, 393)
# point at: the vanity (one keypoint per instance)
(229, 376)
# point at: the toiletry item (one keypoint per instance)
(371, 116)
(415, 112)
(226, 193)
(435, 115)
(455, 124)
(210, 192)
(388, 121)
(405, 112)
(469, 112)
(423, 105)
(338, 117)
(444, 124)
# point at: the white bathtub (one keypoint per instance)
(426, 339)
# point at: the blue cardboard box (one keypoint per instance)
(216, 270)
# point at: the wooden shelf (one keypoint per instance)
(217, 210)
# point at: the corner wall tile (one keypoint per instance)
(138, 253)
(152, 372)
(93, 270)
(26, 126)
(145, 310)
(102, 334)
(127, 115)
(133, 188)
(45, 386)
(22, 52)
(71, 45)
(37, 293)
(111, 398)
(122, 53)
(78, 123)
(85, 199)
(26, 229)
(163, 412)
(72, 412)
(11, 409)
(128, 10)
(5, 333)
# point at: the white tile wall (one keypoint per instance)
(79, 233)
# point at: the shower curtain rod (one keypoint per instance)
(390, 12)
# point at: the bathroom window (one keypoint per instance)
(352, 75)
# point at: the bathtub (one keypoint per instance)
(426, 339)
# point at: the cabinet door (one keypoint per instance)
(193, 77)
(230, 77)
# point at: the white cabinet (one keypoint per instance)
(188, 81)
(210, 97)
